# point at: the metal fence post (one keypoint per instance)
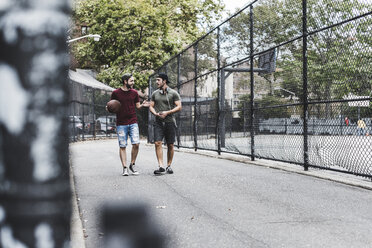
(252, 83)
(94, 114)
(106, 116)
(74, 131)
(341, 121)
(34, 166)
(222, 109)
(218, 125)
(195, 97)
(178, 90)
(83, 120)
(150, 136)
(244, 106)
(305, 93)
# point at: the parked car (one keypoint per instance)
(75, 125)
(106, 124)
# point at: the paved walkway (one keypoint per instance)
(229, 202)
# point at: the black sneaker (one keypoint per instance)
(133, 170)
(125, 171)
(159, 171)
(169, 170)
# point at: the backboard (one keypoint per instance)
(267, 61)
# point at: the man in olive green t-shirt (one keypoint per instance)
(164, 103)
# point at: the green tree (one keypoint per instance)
(339, 58)
(138, 35)
(263, 113)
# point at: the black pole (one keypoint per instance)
(341, 121)
(252, 83)
(150, 135)
(218, 125)
(83, 116)
(195, 97)
(207, 124)
(74, 129)
(94, 113)
(34, 166)
(244, 119)
(306, 105)
(178, 89)
(222, 109)
(106, 115)
(231, 111)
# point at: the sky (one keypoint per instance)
(233, 4)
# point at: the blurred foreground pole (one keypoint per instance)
(130, 226)
(34, 169)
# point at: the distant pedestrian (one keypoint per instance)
(165, 102)
(361, 127)
(126, 121)
(347, 121)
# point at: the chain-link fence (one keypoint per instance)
(283, 80)
(88, 118)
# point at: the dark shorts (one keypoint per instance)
(165, 130)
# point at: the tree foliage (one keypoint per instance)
(138, 35)
(339, 57)
(263, 113)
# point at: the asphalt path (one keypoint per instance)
(211, 202)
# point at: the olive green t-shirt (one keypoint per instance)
(161, 102)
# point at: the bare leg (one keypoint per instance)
(134, 153)
(159, 152)
(170, 154)
(123, 156)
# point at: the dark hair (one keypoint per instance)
(163, 76)
(125, 77)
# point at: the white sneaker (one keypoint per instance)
(133, 170)
(125, 172)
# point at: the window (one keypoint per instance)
(84, 30)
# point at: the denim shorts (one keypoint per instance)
(125, 130)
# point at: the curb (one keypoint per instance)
(76, 227)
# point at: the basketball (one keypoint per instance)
(113, 106)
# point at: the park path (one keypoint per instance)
(211, 202)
